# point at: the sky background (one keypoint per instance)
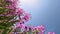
(43, 12)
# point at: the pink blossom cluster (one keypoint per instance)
(20, 13)
(13, 10)
(10, 6)
(23, 16)
(29, 30)
(26, 29)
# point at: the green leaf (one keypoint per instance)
(7, 3)
(3, 10)
(0, 1)
(0, 4)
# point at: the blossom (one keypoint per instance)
(18, 25)
(12, 6)
(19, 11)
(51, 32)
(41, 28)
(26, 17)
(21, 21)
(35, 28)
(11, 0)
(26, 28)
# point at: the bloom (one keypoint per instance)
(18, 25)
(26, 17)
(41, 28)
(12, 0)
(51, 32)
(19, 11)
(26, 28)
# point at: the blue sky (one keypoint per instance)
(45, 12)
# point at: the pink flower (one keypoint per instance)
(51, 32)
(35, 28)
(12, 0)
(19, 12)
(26, 28)
(26, 17)
(41, 28)
(21, 21)
(18, 25)
(12, 6)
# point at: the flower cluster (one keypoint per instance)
(23, 29)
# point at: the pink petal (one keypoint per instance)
(26, 17)
(51, 32)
